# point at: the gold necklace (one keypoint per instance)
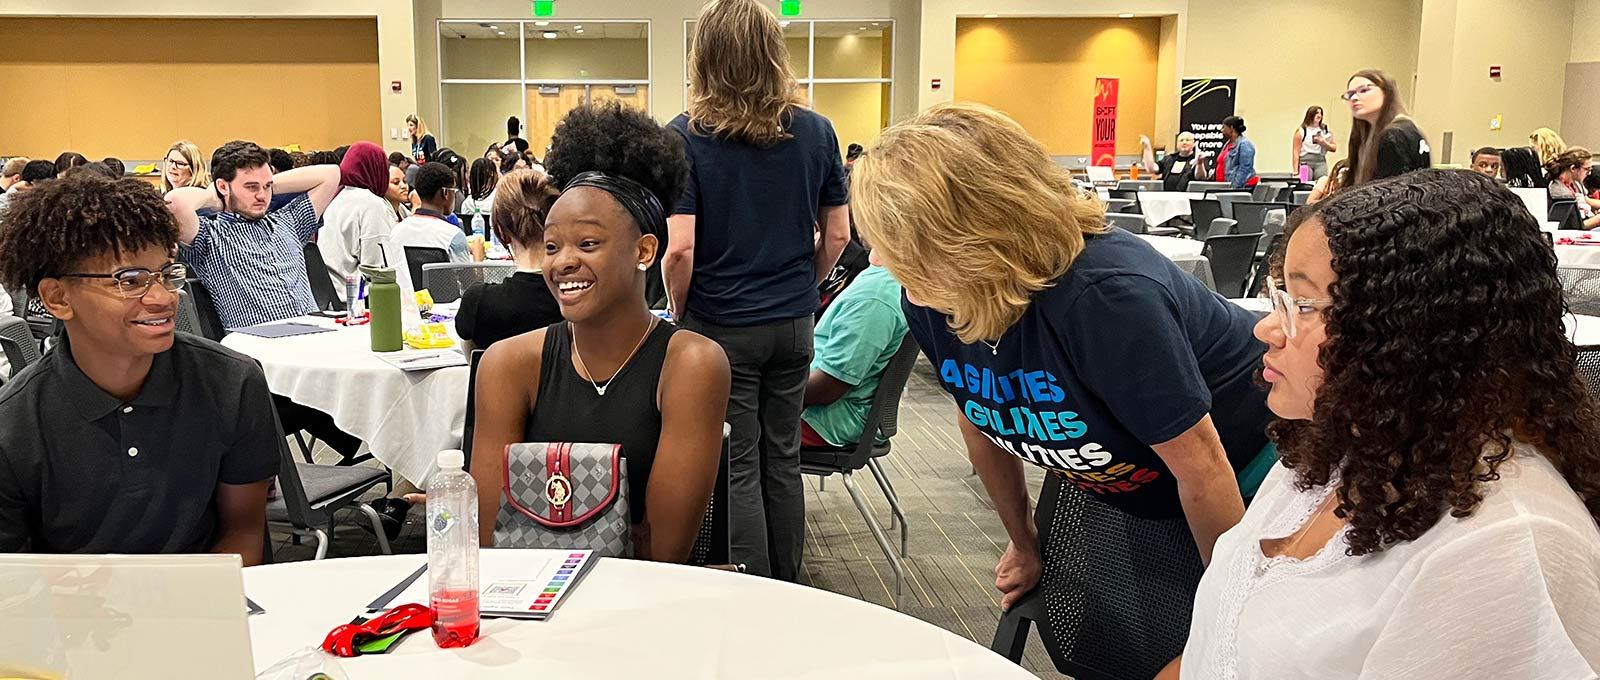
(598, 388)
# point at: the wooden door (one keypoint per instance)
(639, 99)
(545, 110)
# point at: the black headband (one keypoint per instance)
(640, 203)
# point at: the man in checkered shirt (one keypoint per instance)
(251, 260)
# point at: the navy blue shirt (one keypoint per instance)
(1125, 351)
(756, 210)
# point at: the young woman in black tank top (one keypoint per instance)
(612, 372)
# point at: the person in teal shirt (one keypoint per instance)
(855, 339)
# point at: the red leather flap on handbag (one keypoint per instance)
(562, 484)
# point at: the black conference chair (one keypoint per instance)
(446, 281)
(1132, 223)
(322, 289)
(1218, 226)
(206, 321)
(472, 401)
(1589, 368)
(1208, 187)
(1122, 205)
(1252, 215)
(714, 544)
(1565, 214)
(1201, 212)
(883, 419)
(1580, 285)
(1262, 265)
(417, 257)
(309, 495)
(1231, 257)
(21, 349)
(1117, 593)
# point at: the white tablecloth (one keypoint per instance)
(1580, 329)
(1174, 247)
(627, 619)
(406, 418)
(1160, 206)
(1577, 254)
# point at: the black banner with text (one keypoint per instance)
(1203, 103)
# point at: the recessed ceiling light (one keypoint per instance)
(494, 28)
(876, 23)
(541, 24)
(783, 24)
(1125, 15)
(550, 35)
(990, 16)
(500, 32)
(578, 27)
(578, 30)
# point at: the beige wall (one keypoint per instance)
(548, 59)
(476, 116)
(395, 34)
(666, 35)
(1042, 72)
(1586, 31)
(1295, 54)
(101, 103)
(1532, 45)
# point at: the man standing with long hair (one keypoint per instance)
(744, 258)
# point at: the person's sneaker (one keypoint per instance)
(391, 514)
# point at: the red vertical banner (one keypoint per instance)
(1103, 150)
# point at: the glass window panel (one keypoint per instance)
(588, 50)
(859, 111)
(475, 115)
(797, 36)
(479, 50)
(853, 49)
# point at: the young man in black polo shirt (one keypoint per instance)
(127, 437)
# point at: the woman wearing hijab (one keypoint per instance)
(359, 212)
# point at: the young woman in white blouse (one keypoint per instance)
(1434, 516)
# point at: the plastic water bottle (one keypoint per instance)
(453, 552)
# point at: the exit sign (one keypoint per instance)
(789, 8)
(544, 8)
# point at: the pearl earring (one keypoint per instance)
(643, 266)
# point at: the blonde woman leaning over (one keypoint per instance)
(1547, 144)
(184, 166)
(1066, 345)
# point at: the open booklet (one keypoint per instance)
(516, 584)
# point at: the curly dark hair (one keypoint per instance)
(280, 160)
(1444, 346)
(618, 140)
(324, 158)
(53, 226)
(230, 158)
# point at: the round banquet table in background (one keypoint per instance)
(1174, 247)
(1160, 207)
(626, 619)
(1586, 250)
(406, 418)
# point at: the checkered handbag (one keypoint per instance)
(567, 497)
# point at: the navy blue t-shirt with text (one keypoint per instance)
(1125, 351)
(755, 212)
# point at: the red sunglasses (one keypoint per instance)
(344, 640)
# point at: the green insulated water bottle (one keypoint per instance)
(383, 302)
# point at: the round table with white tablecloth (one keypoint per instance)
(405, 417)
(1160, 207)
(625, 619)
(1174, 247)
(1577, 247)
